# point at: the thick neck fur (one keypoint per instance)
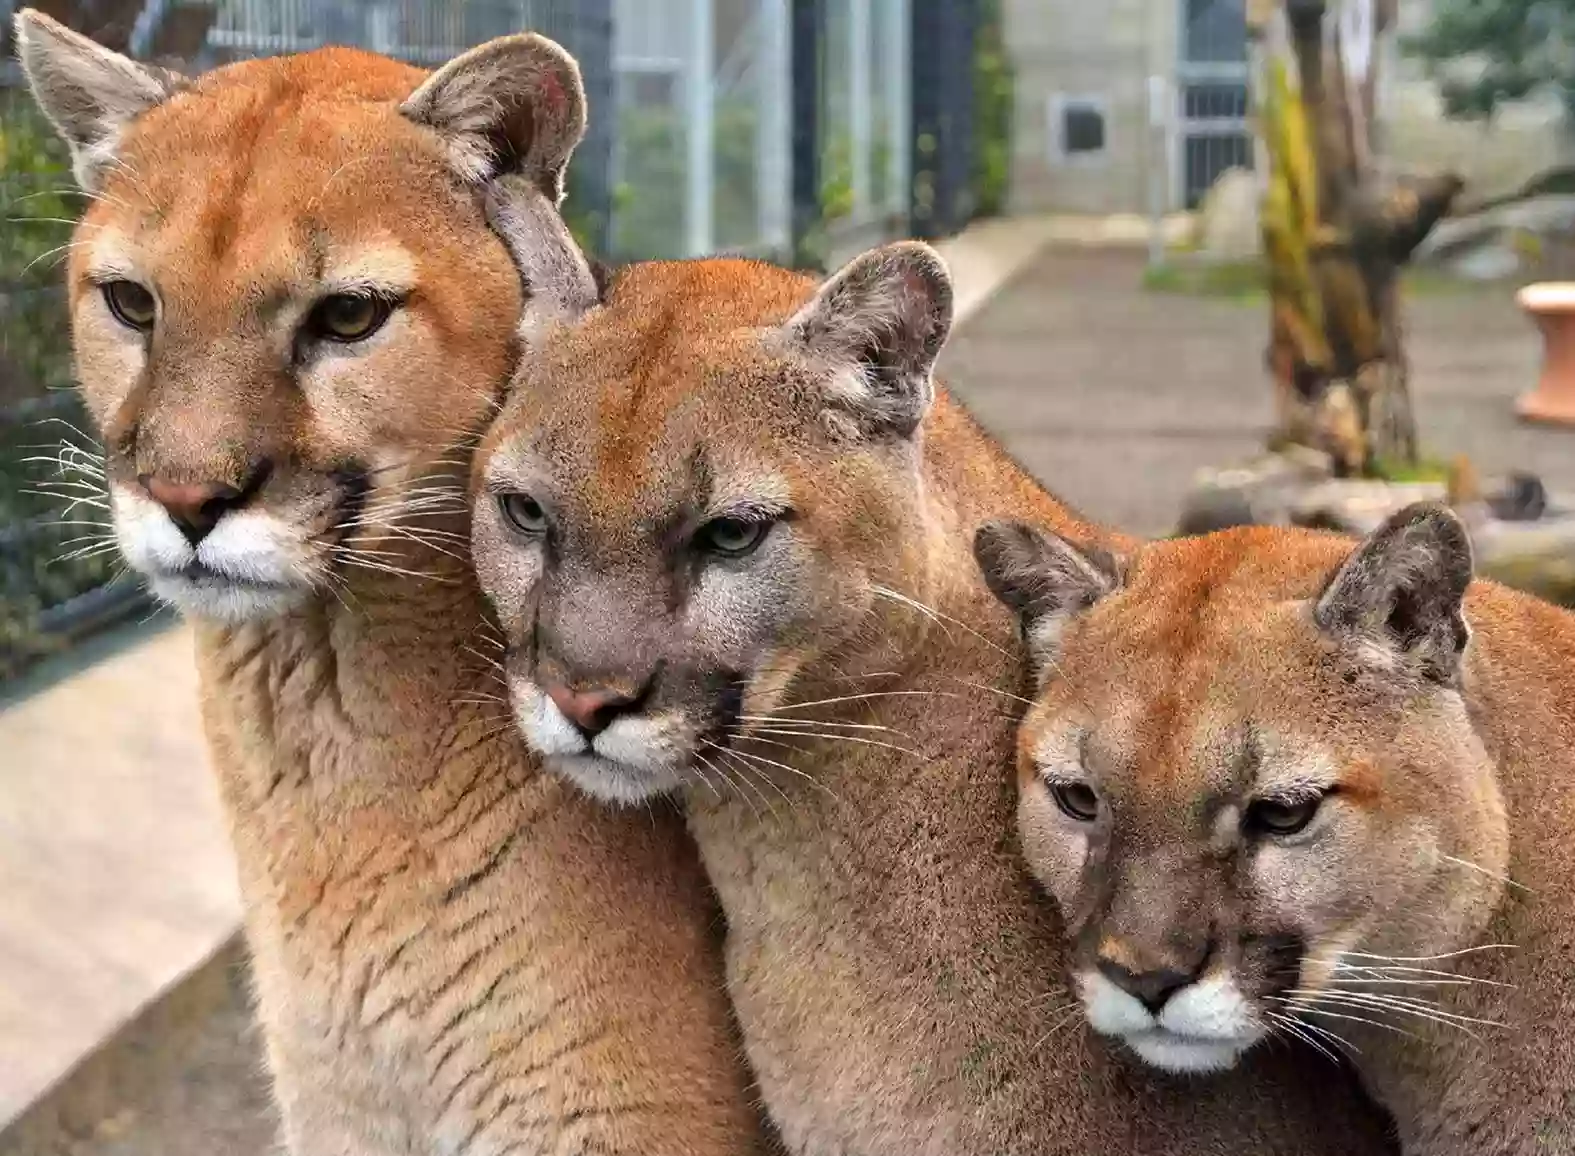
(898, 977)
(1500, 1077)
(454, 952)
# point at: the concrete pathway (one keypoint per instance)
(115, 870)
(1116, 396)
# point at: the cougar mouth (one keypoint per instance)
(1175, 1052)
(254, 562)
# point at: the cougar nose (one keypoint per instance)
(196, 507)
(1150, 988)
(594, 710)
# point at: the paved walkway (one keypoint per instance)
(114, 871)
(1115, 396)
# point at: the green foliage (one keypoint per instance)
(994, 95)
(648, 204)
(38, 203)
(1484, 53)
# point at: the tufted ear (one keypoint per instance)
(881, 322)
(512, 105)
(1398, 601)
(1043, 579)
(89, 93)
(558, 281)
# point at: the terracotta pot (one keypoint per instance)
(1552, 305)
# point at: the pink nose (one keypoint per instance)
(195, 507)
(593, 711)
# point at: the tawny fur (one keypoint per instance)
(899, 981)
(453, 952)
(1409, 882)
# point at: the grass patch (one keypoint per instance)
(1424, 470)
(1231, 280)
(1248, 281)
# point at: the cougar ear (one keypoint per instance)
(1043, 579)
(559, 283)
(880, 322)
(512, 105)
(89, 93)
(1398, 601)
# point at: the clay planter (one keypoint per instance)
(1552, 305)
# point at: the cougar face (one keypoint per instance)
(288, 310)
(1239, 776)
(692, 490)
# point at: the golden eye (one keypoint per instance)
(349, 317)
(1281, 816)
(132, 305)
(524, 513)
(732, 537)
(1076, 800)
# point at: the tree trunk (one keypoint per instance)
(1335, 242)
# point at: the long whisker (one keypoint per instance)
(873, 694)
(831, 737)
(937, 617)
(749, 773)
(767, 718)
(1504, 879)
(806, 776)
(1312, 1009)
(1427, 958)
(1410, 1004)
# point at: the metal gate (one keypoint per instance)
(1212, 76)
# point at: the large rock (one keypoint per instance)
(1522, 536)
(1261, 492)
(1228, 226)
(1499, 242)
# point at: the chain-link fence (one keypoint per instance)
(792, 129)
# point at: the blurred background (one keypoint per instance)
(1195, 290)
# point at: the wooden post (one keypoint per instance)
(1335, 242)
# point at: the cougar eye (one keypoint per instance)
(524, 513)
(1281, 816)
(132, 305)
(1076, 800)
(349, 317)
(732, 537)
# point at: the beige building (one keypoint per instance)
(1132, 105)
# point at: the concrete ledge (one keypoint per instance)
(182, 1078)
(114, 859)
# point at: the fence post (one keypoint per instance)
(774, 130)
(808, 35)
(898, 66)
(586, 30)
(943, 43)
(860, 103)
(700, 113)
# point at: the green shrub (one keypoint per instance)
(994, 96)
(648, 204)
(37, 529)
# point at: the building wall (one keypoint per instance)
(1108, 49)
(1104, 49)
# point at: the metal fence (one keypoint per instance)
(792, 129)
(1212, 75)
